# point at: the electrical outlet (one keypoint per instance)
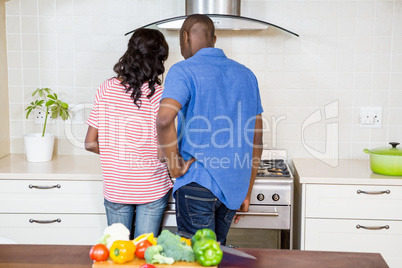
(77, 114)
(39, 118)
(371, 117)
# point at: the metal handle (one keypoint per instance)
(373, 192)
(372, 227)
(40, 221)
(274, 214)
(170, 212)
(44, 187)
(394, 144)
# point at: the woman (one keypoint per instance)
(122, 130)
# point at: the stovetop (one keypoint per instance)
(273, 168)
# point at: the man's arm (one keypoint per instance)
(91, 140)
(257, 151)
(167, 137)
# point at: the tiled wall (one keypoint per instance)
(348, 56)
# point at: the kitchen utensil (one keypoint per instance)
(225, 249)
(386, 160)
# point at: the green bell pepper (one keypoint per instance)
(207, 252)
(201, 234)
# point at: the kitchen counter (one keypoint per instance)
(63, 256)
(347, 171)
(71, 167)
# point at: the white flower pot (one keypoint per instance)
(38, 148)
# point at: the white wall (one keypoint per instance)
(349, 54)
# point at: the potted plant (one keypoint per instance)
(39, 146)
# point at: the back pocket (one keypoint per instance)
(200, 210)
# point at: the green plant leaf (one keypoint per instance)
(55, 114)
(64, 105)
(50, 96)
(36, 91)
(29, 111)
(39, 102)
(49, 103)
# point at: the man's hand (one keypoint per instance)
(243, 208)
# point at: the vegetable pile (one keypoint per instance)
(167, 248)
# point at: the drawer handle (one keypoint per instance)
(374, 192)
(372, 227)
(39, 221)
(44, 187)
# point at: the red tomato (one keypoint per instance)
(99, 252)
(141, 247)
(147, 266)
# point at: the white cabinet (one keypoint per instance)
(61, 208)
(345, 213)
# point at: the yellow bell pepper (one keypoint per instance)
(148, 236)
(187, 240)
(122, 251)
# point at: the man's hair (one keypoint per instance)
(205, 26)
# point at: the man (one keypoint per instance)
(217, 151)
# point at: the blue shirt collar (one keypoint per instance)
(210, 51)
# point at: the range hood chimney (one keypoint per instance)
(224, 13)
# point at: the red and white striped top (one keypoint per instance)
(132, 172)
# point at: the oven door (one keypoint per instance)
(264, 217)
(262, 227)
(260, 217)
(169, 219)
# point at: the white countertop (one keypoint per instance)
(347, 171)
(68, 167)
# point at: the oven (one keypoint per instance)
(268, 223)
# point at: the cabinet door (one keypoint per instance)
(354, 202)
(46, 229)
(344, 235)
(35, 196)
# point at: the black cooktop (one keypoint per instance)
(273, 168)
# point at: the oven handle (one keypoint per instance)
(250, 213)
(170, 212)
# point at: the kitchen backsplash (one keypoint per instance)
(348, 56)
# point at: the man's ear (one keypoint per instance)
(185, 37)
(214, 39)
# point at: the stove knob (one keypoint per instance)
(260, 197)
(275, 197)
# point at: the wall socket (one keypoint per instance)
(371, 117)
(39, 118)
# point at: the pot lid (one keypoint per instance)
(392, 151)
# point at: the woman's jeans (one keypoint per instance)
(198, 208)
(148, 217)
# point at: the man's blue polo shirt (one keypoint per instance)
(220, 99)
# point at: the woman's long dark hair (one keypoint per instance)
(143, 61)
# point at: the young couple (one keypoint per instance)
(132, 126)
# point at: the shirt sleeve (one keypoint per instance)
(260, 110)
(94, 115)
(177, 86)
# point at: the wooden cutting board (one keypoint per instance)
(137, 262)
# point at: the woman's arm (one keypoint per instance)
(91, 140)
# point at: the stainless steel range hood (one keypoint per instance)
(224, 13)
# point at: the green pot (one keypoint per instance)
(386, 160)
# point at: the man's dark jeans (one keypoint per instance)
(198, 208)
